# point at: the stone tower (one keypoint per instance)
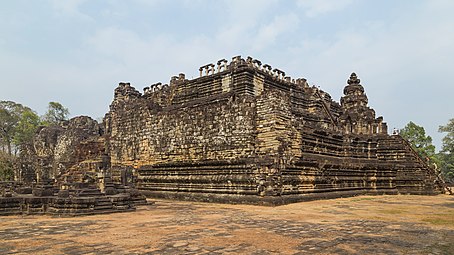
(357, 116)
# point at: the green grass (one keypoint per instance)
(393, 211)
(363, 199)
(444, 220)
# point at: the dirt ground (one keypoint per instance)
(357, 225)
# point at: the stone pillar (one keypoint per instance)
(210, 69)
(106, 184)
(124, 177)
(222, 65)
(384, 128)
(281, 74)
(236, 59)
(173, 80)
(257, 64)
(267, 68)
(218, 66)
(249, 61)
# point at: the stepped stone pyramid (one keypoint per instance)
(244, 132)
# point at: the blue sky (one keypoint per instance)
(76, 51)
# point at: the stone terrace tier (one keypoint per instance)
(244, 132)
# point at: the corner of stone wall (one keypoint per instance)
(275, 140)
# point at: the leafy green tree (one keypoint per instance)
(447, 151)
(56, 113)
(10, 115)
(448, 140)
(18, 125)
(418, 139)
(26, 128)
(7, 123)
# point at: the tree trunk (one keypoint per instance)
(8, 145)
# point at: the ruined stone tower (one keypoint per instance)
(357, 117)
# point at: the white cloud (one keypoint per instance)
(67, 6)
(69, 9)
(242, 18)
(268, 33)
(149, 3)
(315, 8)
(146, 60)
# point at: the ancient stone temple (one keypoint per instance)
(244, 132)
(66, 173)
